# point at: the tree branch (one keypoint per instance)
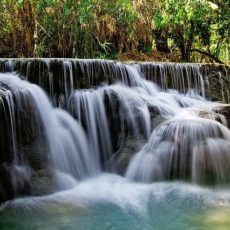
(208, 54)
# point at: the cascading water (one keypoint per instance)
(183, 77)
(59, 76)
(165, 134)
(189, 148)
(88, 108)
(65, 139)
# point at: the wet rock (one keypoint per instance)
(42, 182)
(3, 92)
(155, 116)
(122, 157)
(15, 180)
(24, 152)
(225, 111)
(220, 114)
(218, 78)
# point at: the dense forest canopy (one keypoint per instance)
(175, 30)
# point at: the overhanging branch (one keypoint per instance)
(208, 55)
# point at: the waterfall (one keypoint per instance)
(145, 121)
(66, 142)
(88, 108)
(190, 148)
(59, 76)
(182, 77)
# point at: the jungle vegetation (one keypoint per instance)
(173, 30)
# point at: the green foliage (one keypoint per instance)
(192, 24)
(102, 28)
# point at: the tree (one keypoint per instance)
(184, 22)
(198, 29)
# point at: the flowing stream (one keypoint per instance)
(128, 154)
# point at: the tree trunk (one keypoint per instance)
(27, 16)
(161, 41)
(184, 54)
(190, 42)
